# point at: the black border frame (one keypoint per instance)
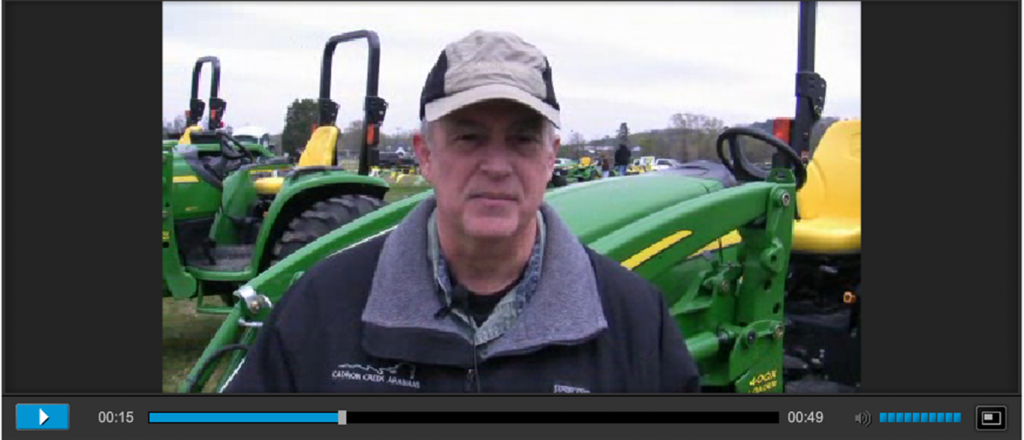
(74, 75)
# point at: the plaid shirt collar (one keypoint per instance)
(510, 306)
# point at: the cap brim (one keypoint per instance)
(443, 106)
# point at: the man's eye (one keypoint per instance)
(468, 137)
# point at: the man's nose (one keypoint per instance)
(496, 159)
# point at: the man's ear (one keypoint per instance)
(556, 145)
(422, 153)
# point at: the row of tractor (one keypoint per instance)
(587, 168)
(759, 266)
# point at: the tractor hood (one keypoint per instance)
(595, 209)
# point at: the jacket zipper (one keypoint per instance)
(473, 375)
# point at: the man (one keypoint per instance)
(622, 156)
(481, 288)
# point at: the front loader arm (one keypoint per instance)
(732, 314)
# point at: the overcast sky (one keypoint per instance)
(612, 62)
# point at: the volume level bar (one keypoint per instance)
(337, 417)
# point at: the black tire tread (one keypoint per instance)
(320, 219)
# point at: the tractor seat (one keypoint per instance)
(319, 152)
(829, 202)
(585, 161)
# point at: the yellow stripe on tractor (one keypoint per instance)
(641, 257)
(655, 249)
(186, 179)
(721, 243)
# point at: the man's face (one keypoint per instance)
(489, 165)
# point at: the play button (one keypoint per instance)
(49, 416)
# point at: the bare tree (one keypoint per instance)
(576, 138)
(695, 121)
(351, 137)
(175, 126)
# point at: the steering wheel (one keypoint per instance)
(742, 168)
(232, 149)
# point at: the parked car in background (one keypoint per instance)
(665, 164)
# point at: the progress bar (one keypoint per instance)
(248, 417)
(474, 417)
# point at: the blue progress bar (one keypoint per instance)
(243, 417)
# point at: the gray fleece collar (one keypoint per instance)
(565, 308)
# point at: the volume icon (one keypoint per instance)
(863, 418)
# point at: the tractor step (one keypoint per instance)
(227, 258)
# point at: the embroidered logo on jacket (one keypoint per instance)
(402, 374)
(569, 389)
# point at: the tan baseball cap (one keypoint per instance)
(489, 65)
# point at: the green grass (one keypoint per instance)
(185, 335)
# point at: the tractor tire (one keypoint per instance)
(320, 219)
(559, 181)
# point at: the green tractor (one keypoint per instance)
(560, 174)
(759, 313)
(569, 171)
(225, 219)
(585, 170)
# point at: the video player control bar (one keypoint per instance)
(477, 417)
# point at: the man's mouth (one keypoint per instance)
(494, 196)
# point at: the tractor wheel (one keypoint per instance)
(559, 181)
(320, 219)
